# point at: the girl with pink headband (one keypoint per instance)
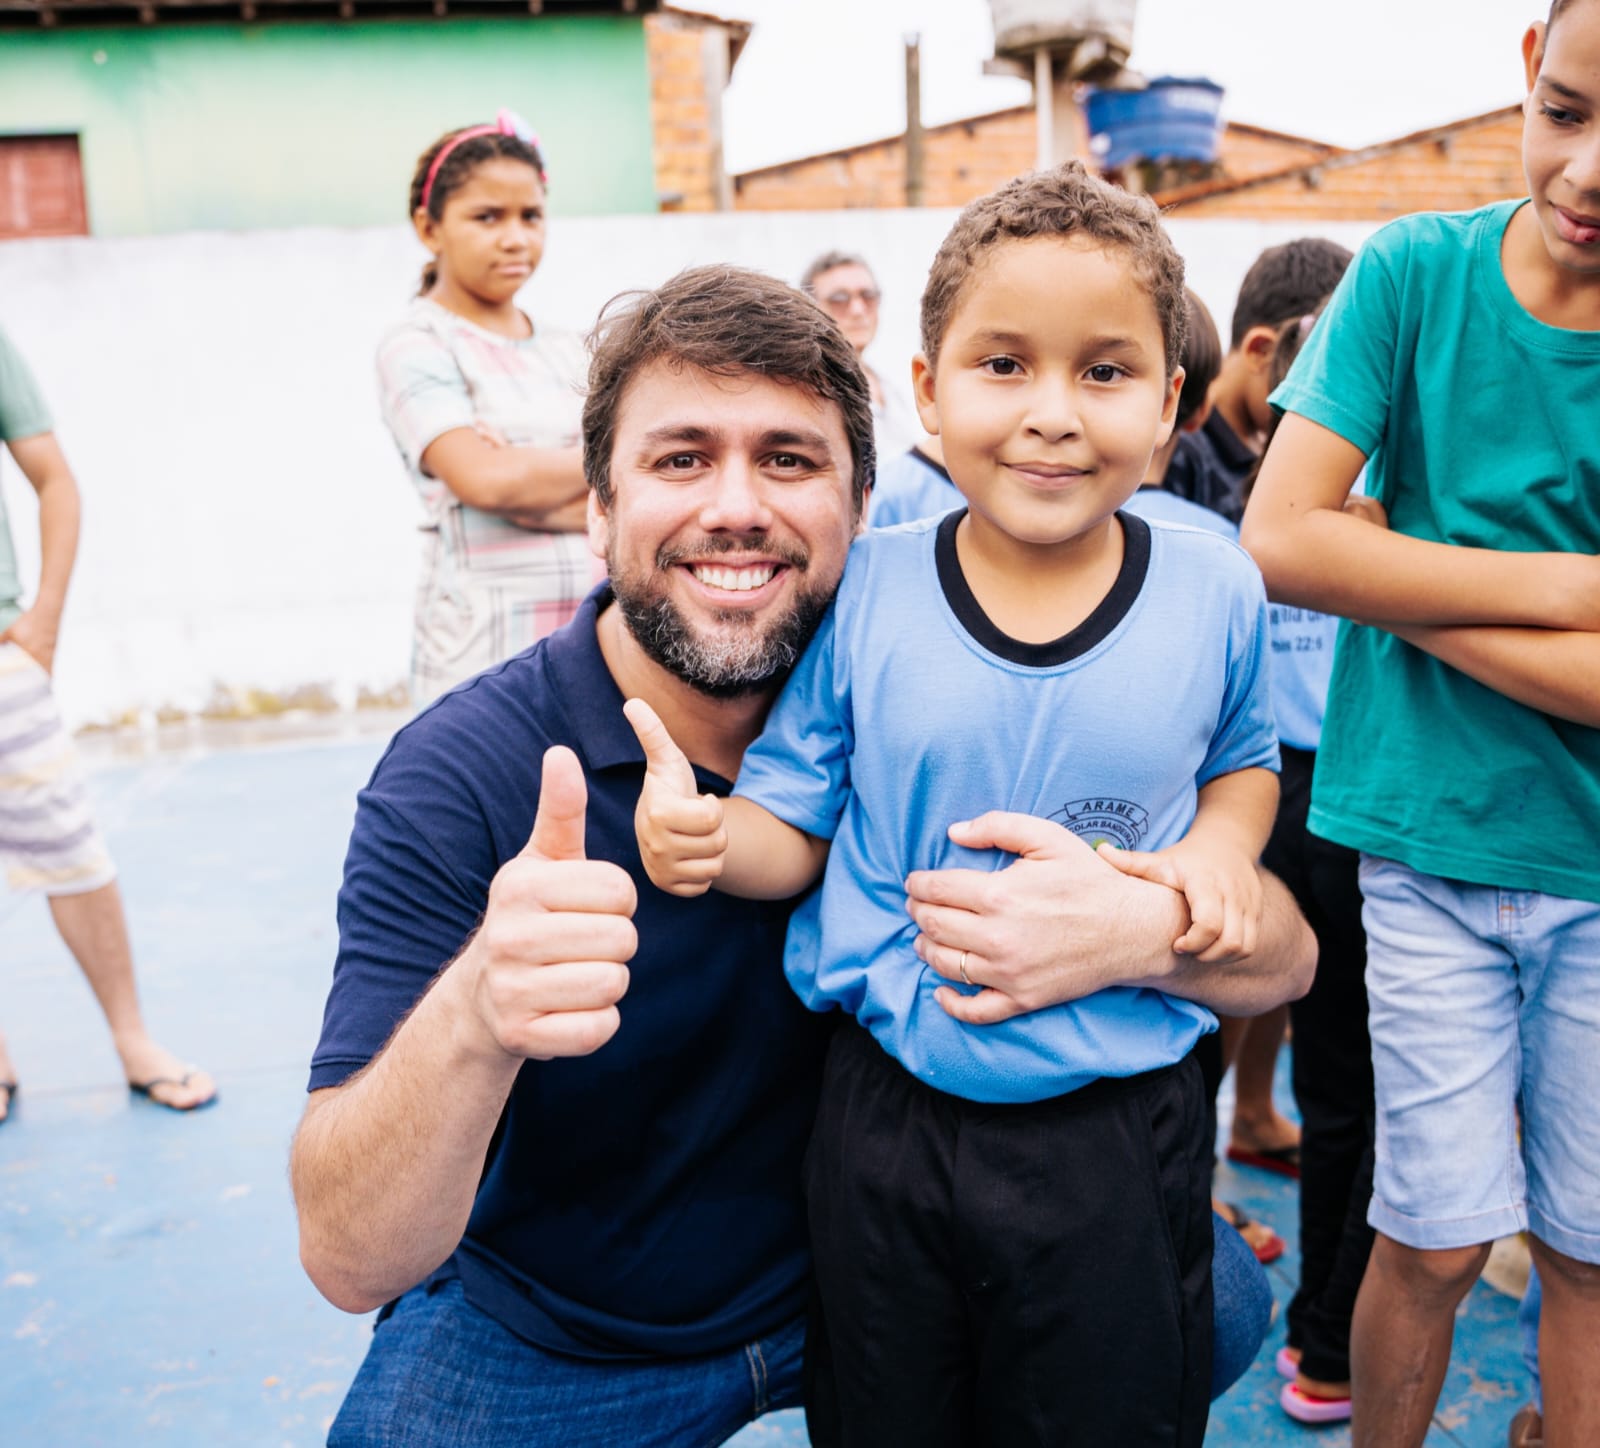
(485, 408)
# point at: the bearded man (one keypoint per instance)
(581, 1214)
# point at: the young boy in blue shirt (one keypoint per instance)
(1460, 361)
(1010, 1224)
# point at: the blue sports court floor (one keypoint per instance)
(149, 1287)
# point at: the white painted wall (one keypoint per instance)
(247, 522)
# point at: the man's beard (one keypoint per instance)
(751, 654)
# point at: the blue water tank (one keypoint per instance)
(1172, 119)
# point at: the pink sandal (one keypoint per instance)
(1286, 1364)
(1305, 1409)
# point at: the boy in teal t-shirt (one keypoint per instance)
(1460, 360)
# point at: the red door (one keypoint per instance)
(41, 187)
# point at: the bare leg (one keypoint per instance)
(96, 932)
(1257, 1123)
(1400, 1341)
(1569, 1366)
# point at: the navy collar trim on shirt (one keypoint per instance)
(1108, 613)
(589, 695)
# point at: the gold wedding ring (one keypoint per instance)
(965, 978)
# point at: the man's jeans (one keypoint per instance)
(441, 1373)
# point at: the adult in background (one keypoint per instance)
(843, 285)
(484, 407)
(582, 1211)
(48, 838)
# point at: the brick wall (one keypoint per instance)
(1451, 168)
(688, 56)
(963, 160)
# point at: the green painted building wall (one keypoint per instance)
(203, 126)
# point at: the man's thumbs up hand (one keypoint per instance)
(681, 839)
(559, 821)
(551, 953)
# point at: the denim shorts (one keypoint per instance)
(1483, 1001)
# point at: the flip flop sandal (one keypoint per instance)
(1284, 1160)
(146, 1089)
(1269, 1249)
(1527, 1428)
(1286, 1364)
(1303, 1408)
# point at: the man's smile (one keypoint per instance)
(736, 578)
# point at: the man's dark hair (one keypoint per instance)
(727, 321)
(1202, 358)
(1286, 282)
(1067, 202)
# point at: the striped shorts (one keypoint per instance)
(48, 839)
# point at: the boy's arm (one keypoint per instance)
(1556, 671)
(1214, 865)
(45, 467)
(1314, 555)
(690, 841)
(1236, 811)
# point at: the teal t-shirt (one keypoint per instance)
(1482, 428)
(22, 414)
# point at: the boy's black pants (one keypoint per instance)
(1008, 1275)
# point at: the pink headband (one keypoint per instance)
(506, 123)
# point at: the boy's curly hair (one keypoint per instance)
(1065, 201)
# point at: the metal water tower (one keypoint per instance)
(1061, 43)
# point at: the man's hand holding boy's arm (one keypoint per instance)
(1215, 865)
(1059, 923)
(1316, 554)
(690, 841)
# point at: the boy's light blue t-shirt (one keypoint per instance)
(1481, 425)
(22, 414)
(1302, 641)
(1302, 666)
(1170, 508)
(911, 486)
(910, 711)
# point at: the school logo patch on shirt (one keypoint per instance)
(1099, 821)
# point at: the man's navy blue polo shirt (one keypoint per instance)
(646, 1199)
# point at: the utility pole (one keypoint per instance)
(914, 157)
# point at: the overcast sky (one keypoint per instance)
(819, 74)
